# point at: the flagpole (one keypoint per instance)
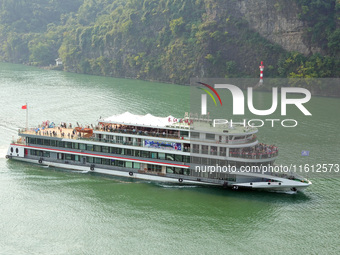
(26, 117)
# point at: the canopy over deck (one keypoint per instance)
(140, 120)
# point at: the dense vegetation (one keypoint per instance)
(166, 40)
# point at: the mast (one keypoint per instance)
(26, 116)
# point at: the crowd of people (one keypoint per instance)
(48, 129)
(140, 131)
(258, 151)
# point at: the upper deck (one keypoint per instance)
(197, 131)
(170, 123)
(224, 141)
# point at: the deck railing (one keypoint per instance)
(254, 155)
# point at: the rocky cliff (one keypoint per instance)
(173, 41)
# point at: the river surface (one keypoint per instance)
(52, 211)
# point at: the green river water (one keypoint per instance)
(51, 211)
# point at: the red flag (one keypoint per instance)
(24, 107)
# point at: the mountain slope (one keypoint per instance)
(173, 41)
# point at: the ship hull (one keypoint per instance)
(282, 185)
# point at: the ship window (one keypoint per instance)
(75, 145)
(97, 160)
(76, 157)
(137, 153)
(155, 168)
(186, 159)
(178, 170)
(205, 161)
(11, 149)
(213, 150)
(120, 163)
(194, 135)
(68, 156)
(170, 157)
(106, 161)
(47, 142)
(32, 140)
(184, 133)
(16, 150)
(61, 144)
(210, 136)
(68, 145)
(136, 165)
(105, 149)
(82, 146)
(116, 150)
(205, 149)
(89, 147)
(222, 163)
(239, 164)
(161, 155)
(153, 154)
(129, 152)
(196, 160)
(145, 154)
(223, 151)
(53, 142)
(232, 177)
(178, 158)
(39, 141)
(97, 148)
(119, 139)
(232, 163)
(170, 169)
(46, 154)
(128, 164)
(195, 148)
(213, 162)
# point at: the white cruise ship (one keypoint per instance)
(186, 151)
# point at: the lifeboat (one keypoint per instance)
(87, 131)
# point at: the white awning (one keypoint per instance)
(140, 120)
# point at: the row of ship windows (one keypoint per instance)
(194, 160)
(113, 150)
(136, 165)
(209, 136)
(222, 162)
(112, 162)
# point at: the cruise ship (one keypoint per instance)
(189, 150)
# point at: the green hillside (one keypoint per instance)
(167, 40)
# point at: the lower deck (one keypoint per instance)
(268, 181)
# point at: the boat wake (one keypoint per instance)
(289, 192)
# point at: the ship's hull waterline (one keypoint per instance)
(291, 187)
